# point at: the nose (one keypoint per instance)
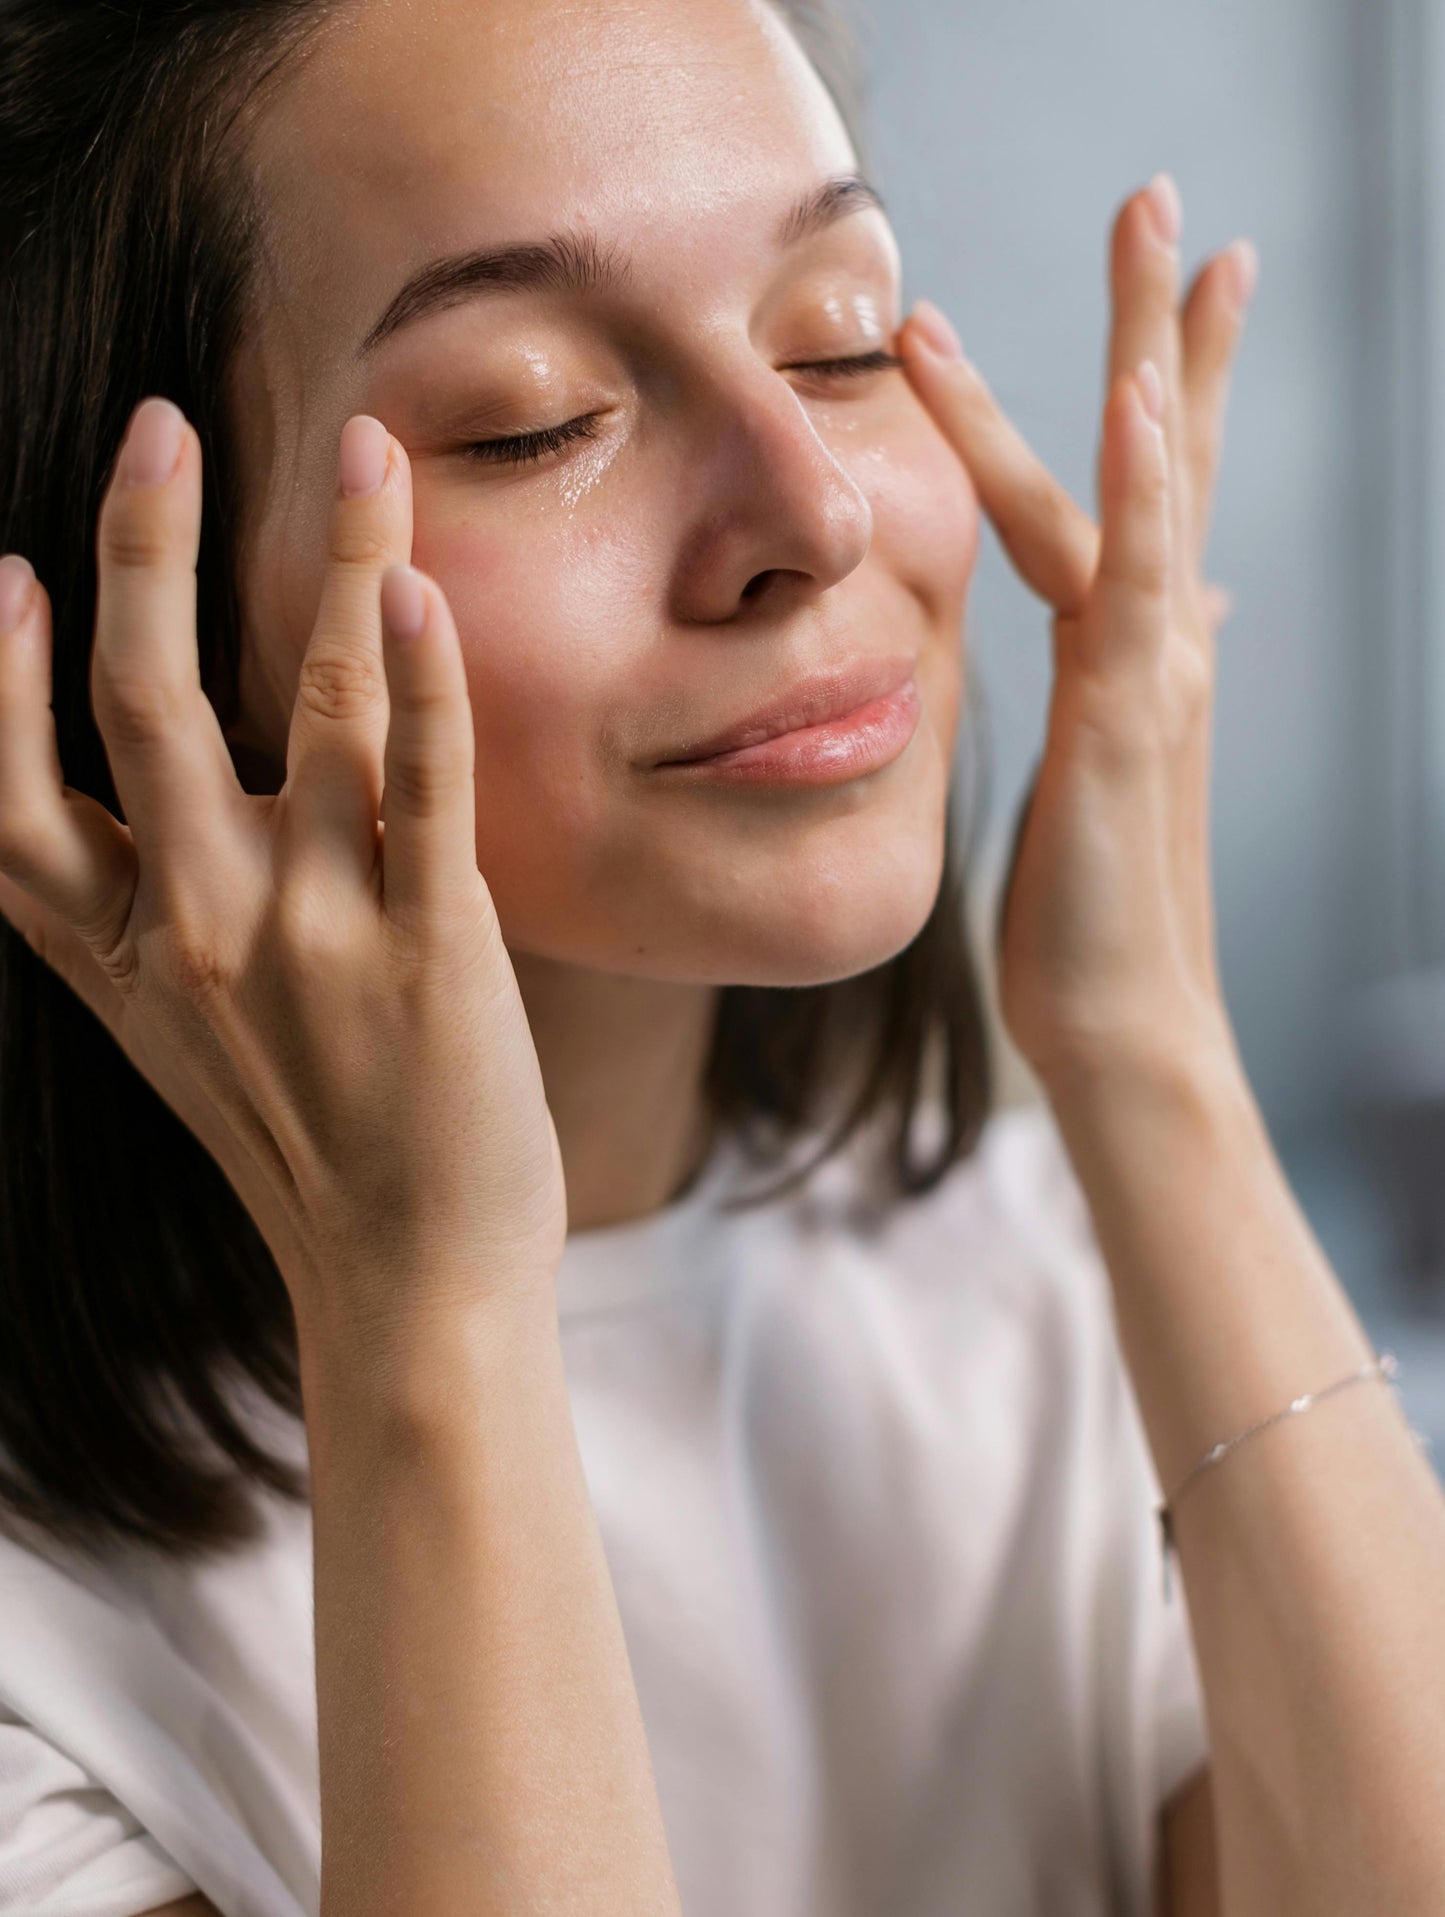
(774, 516)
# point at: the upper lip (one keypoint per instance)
(812, 701)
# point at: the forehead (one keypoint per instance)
(415, 127)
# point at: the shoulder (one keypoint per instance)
(71, 1843)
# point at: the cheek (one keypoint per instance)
(517, 631)
(541, 645)
(926, 520)
(926, 525)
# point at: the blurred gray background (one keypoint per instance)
(1003, 140)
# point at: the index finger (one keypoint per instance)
(1049, 537)
(172, 771)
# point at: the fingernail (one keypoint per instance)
(403, 601)
(362, 463)
(17, 582)
(1246, 270)
(153, 443)
(1167, 208)
(1151, 390)
(936, 329)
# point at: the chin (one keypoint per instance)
(829, 933)
(804, 917)
(836, 902)
(764, 894)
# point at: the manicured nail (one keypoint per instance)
(1151, 390)
(936, 329)
(17, 583)
(1246, 270)
(362, 464)
(1167, 208)
(153, 444)
(403, 601)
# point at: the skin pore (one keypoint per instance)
(736, 518)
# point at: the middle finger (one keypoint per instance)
(1144, 279)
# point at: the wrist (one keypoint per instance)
(1160, 1130)
(416, 1368)
(1180, 1063)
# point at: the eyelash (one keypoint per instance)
(524, 447)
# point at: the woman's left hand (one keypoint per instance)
(1106, 927)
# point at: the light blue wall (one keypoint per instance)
(1005, 137)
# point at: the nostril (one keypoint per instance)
(761, 581)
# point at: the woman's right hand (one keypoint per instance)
(315, 980)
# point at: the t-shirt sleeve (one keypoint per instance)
(67, 1847)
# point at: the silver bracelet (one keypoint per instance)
(1385, 1366)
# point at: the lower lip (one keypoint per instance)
(845, 748)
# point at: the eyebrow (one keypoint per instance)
(573, 262)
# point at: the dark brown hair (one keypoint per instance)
(134, 1288)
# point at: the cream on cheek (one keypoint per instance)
(546, 614)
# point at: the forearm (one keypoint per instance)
(1313, 1556)
(481, 1748)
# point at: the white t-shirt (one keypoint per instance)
(879, 1511)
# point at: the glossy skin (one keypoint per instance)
(742, 514)
(736, 521)
(736, 518)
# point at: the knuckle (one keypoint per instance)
(428, 698)
(1190, 680)
(360, 538)
(195, 960)
(428, 783)
(310, 930)
(1150, 490)
(133, 534)
(131, 711)
(340, 682)
(1150, 573)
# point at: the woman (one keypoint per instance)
(476, 982)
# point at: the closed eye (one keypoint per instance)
(875, 362)
(523, 447)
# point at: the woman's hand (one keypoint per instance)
(1106, 931)
(314, 981)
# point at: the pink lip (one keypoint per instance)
(814, 701)
(845, 747)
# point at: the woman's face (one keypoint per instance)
(735, 520)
